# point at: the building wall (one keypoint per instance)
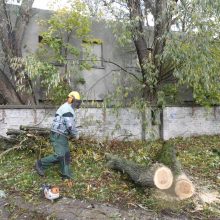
(98, 80)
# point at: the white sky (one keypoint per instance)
(44, 4)
(56, 4)
(47, 4)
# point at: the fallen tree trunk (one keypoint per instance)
(41, 133)
(15, 132)
(27, 133)
(183, 186)
(156, 175)
(33, 128)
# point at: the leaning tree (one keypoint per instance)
(13, 23)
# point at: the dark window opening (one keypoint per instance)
(40, 38)
(96, 53)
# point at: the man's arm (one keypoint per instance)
(71, 125)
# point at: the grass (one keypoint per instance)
(95, 182)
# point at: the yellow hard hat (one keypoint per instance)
(74, 94)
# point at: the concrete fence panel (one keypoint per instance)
(124, 124)
(190, 121)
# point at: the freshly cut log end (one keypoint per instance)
(184, 188)
(155, 175)
(163, 178)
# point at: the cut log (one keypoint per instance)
(163, 177)
(33, 128)
(156, 175)
(184, 188)
(14, 132)
(39, 131)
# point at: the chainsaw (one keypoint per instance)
(50, 192)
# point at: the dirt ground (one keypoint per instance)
(15, 207)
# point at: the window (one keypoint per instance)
(40, 38)
(93, 53)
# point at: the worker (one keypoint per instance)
(63, 126)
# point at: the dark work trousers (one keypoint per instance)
(61, 154)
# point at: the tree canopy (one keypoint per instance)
(183, 49)
(58, 56)
(176, 43)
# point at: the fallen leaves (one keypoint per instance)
(93, 181)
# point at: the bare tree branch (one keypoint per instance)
(132, 74)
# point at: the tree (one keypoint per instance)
(196, 51)
(184, 46)
(59, 55)
(11, 36)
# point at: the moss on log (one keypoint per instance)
(167, 156)
(156, 175)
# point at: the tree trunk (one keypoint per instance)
(30, 131)
(140, 43)
(156, 175)
(14, 132)
(11, 37)
(183, 187)
(33, 128)
(8, 91)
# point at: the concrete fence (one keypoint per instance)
(190, 121)
(124, 124)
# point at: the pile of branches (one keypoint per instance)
(18, 138)
(24, 130)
